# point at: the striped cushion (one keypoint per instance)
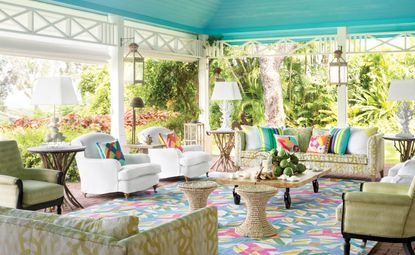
(267, 137)
(339, 140)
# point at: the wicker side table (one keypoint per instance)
(256, 224)
(197, 192)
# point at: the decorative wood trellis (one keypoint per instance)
(35, 21)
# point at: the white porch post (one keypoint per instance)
(342, 90)
(117, 82)
(204, 86)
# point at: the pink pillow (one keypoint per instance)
(287, 142)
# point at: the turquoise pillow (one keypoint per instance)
(111, 150)
(339, 140)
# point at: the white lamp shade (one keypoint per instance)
(401, 90)
(226, 91)
(54, 91)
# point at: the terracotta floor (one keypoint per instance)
(379, 249)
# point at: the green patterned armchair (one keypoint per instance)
(383, 212)
(27, 188)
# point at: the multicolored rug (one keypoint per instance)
(309, 227)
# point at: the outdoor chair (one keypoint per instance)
(101, 176)
(192, 162)
(27, 188)
(383, 212)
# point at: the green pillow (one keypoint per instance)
(303, 134)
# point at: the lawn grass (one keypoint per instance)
(391, 155)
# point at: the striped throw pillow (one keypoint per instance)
(339, 140)
(267, 137)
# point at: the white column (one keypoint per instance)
(204, 86)
(342, 90)
(116, 66)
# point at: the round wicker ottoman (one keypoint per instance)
(256, 198)
(197, 192)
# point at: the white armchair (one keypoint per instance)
(401, 173)
(100, 176)
(192, 162)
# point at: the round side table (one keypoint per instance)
(256, 224)
(404, 145)
(60, 158)
(197, 192)
(225, 140)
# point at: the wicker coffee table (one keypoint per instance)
(305, 178)
(197, 192)
(256, 224)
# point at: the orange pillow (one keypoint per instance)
(173, 141)
(319, 144)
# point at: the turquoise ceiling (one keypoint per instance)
(245, 19)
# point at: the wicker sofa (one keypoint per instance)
(26, 232)
(368, 165)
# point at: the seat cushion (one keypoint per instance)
(35, 192)
(133, 171)
(334, 158)
(191, 158)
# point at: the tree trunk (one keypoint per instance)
(271, 82)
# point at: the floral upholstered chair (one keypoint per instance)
(383, 212)
(27, 188)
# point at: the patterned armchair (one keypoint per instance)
(382, 212)
(27, 188)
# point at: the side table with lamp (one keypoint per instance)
(225, 136)
(55, 153)
(404, 141)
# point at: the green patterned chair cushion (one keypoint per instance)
(117, 227)
(35, 192)
(10, 161)
(303, 134)
(33, 215)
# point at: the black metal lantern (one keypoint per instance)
(134, 65)
(338, 69)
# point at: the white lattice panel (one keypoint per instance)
(381, 42)
(169, 43)
(36, 21)
(317, 45)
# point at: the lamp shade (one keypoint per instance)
(226, 91)
(54, 91)
(401, 90)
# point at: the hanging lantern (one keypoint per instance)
(338, 69)
(134, 65)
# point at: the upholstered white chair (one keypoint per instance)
(100, 176)
(192, 162)
(401, 173)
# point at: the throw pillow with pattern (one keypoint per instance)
(287, 142)
(171, 141)
(111, 150)
(319, 144)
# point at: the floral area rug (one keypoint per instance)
(309, 227)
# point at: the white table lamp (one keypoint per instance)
(226, 91)
(403, 90)
(54, 91)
